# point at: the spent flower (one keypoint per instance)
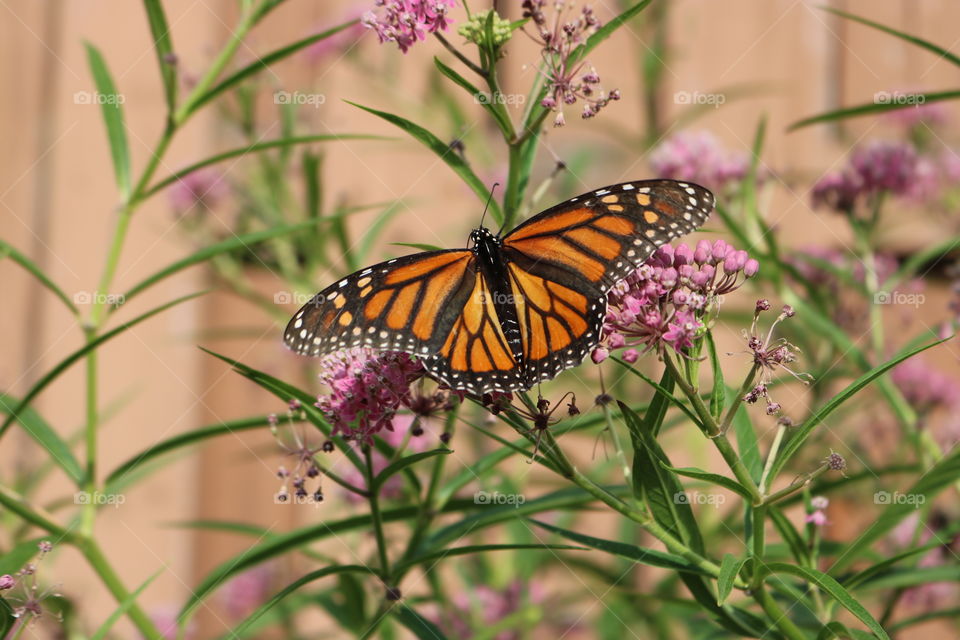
(568, 81)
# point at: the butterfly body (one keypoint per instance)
(507, 312)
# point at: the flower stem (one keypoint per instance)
(111, 580)
(796, 486)
(776, 614)
(771, 456)
(374, 499)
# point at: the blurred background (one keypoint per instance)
(724, 67)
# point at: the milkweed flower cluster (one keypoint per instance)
(367, 387)
(407, 21)
(28, 604)
(558, 36)
(818, 514)
(198, 191)
(882, 167)
(929, 391)
(698, 156)
(664, 302)
(770, 354)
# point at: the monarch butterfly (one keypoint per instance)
(509, 311)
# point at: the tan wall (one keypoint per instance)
(58, 202)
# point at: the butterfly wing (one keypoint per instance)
(475, 356)
(564, 260)
(407, 304)
(602, 236)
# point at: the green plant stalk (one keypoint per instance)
(96, 559)
(621, 456)
(771, 456)
(796, 486)
(377, 518)
(776, 614)
(748, 384)
(713, 431)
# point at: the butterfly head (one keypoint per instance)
(483, 236)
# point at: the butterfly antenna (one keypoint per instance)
(489, 198)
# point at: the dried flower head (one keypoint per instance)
(569, 80)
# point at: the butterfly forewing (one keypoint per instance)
(407, 304)
(602, 236)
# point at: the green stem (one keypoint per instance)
(796, 486)
(111, 580)
(713, 430)
(377, 518)
(771, 456)
(89, 509)
(748, 384)
(776, 614)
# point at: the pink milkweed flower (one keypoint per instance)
(366, 389)
(198, 191)
(405, 22)
(699, 157)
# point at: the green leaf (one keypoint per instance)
(280, 143)
(404, 462)
(28, 264)
(417, 245)
(443, 150)
(124, 606)
(373, 231)
(951, 614)
(474, 92)
(452, 552)
(293, 586)
(911, 577)
(7, 619)
(800, 435)
(262, 62)
(834, 589)
(642, 555)
(660, 488)
(417, 624)
(873, 108)
(82, 351)
(944, 473)
(605, 32)
(163, 45)
(286, 392)
(44, 435)
(713, 478)
(883, 567)
(660, 388)
(789, 534)
(112, 110)
(836, 629)
(729, 570)
(747, 444)
(14, 559)
(186, 439)
(929, 46)
(719, 395)
(244, 241)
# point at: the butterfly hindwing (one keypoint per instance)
(405, 304)
(602, 236)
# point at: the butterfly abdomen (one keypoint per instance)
(493, 265)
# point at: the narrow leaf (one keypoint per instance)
(417, 624)
(729, 570)
(111, 106)
(443, 150)
(280, 143)
(35, 271)
(835, 590)
(124, 606)
(44, 435)
(453, 552)
(605, 32)
(713, 478)
(186, 439)
(404, 462)
(799, 436)
(643, 555)
(873, 108)
(82, 351)
(163, 45)
(920, 42)
(719, 394)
